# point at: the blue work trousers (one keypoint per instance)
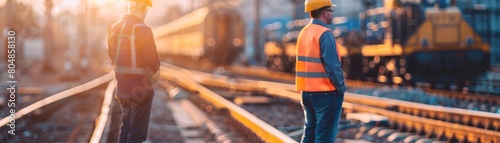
(322, 114)
(135, 119)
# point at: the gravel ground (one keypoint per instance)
(488, 83)
(162, 126)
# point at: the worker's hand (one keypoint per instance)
(155, 77)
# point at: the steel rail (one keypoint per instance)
(61, 95)
(262, 129)
(264, 73)
(102, 122)
(354, 102)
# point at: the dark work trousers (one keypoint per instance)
(135, 120)
(322, 115)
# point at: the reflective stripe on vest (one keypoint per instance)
(310, 72)
(130, 70)
(119, 43)
(133, 58)
(132, 45)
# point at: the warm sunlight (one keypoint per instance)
(289, 71)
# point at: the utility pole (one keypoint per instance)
(83, 62)
(295, 9)
(298, 9)
(192, 5)
(48, 39)
(8, 12)
(256, 32)
(6, 26)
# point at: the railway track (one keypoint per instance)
(280, 115)
(488, 100)
(60, 115)
(464, 100)
(449, 124)
(407, 118)
(86, 113)
(162, 126)
(258, 128)
(472, 101)
(453, 99)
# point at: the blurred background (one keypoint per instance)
(64, 36)
(451, 45)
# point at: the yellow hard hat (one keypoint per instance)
(317, 4)
(146, 1)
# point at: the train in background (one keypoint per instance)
(398, 41)
(211, 34)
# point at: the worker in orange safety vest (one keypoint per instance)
(319, 76)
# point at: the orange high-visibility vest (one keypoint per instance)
(310, 72)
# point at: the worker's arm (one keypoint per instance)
(331, 61)
(111, 49)
(150, 54)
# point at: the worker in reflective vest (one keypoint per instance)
(132, 48)
(319, 76)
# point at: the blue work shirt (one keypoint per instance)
(330, 58)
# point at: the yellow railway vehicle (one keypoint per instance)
(446, 45)
(423, 42)
(400, 41)
(214, 34)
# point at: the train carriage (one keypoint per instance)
(208, 34)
